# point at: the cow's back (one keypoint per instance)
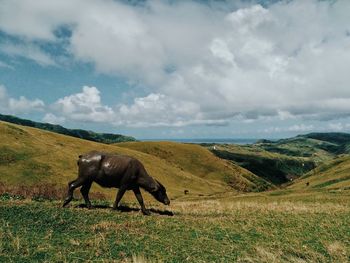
(115, 164)
(90, 163)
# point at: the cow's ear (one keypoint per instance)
(149, 184)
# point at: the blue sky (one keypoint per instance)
(178, 69)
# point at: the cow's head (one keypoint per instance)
(159, 193)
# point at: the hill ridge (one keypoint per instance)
(107, 138)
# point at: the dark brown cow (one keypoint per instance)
(119, 171)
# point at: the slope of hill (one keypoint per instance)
(332, 137)
(315, 147)
(78, 133)
(334, 174)
(286, 159)
(197, 160)
(30, 156)
(274, 167)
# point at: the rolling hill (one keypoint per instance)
(319, 147)
(334, 174)
(273, 167)
(196, 160)
(287, 159)
(78, 133)
(31, 157)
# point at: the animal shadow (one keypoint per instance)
(128, 209)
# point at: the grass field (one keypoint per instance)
(223, 218)
(280, 226)
(30, 157)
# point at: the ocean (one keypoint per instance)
(207, 140)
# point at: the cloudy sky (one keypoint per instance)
(178, 69)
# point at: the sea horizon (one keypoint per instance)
(208, 140)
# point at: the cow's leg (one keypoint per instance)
(120, 194)
(84, 190)
(71, 187)
(139, 198)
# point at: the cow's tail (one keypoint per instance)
(101, 160)
(78, 161)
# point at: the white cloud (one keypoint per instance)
(53, 119)
(298, 128)
(336, 126)
(84, 106)
(200, 64)
(150, 111)
(159, 110)
(22, 105)
(28, 51)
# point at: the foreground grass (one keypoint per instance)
(252, 228)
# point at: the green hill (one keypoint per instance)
(78, 133)
(334, 174)
(332, 137)
(286, 159)
(31, 157)
(274, 167)
(317, 146)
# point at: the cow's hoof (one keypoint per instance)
(146, 212)
(116, 208)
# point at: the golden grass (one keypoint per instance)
(31, 156)
(293, 203)
(197, 160)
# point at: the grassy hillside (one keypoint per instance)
(274, 167)
(337, 138)
(286, 159)
(30, 156)
(304, 146)
(334, 174)
(78, 133)
(196, 160)
(263, 227)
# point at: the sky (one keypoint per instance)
(178, 69)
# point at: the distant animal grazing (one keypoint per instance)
(119, 171)
(186, 192)
(307, 184)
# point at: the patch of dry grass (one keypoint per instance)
(222, 207)
(41, 191)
